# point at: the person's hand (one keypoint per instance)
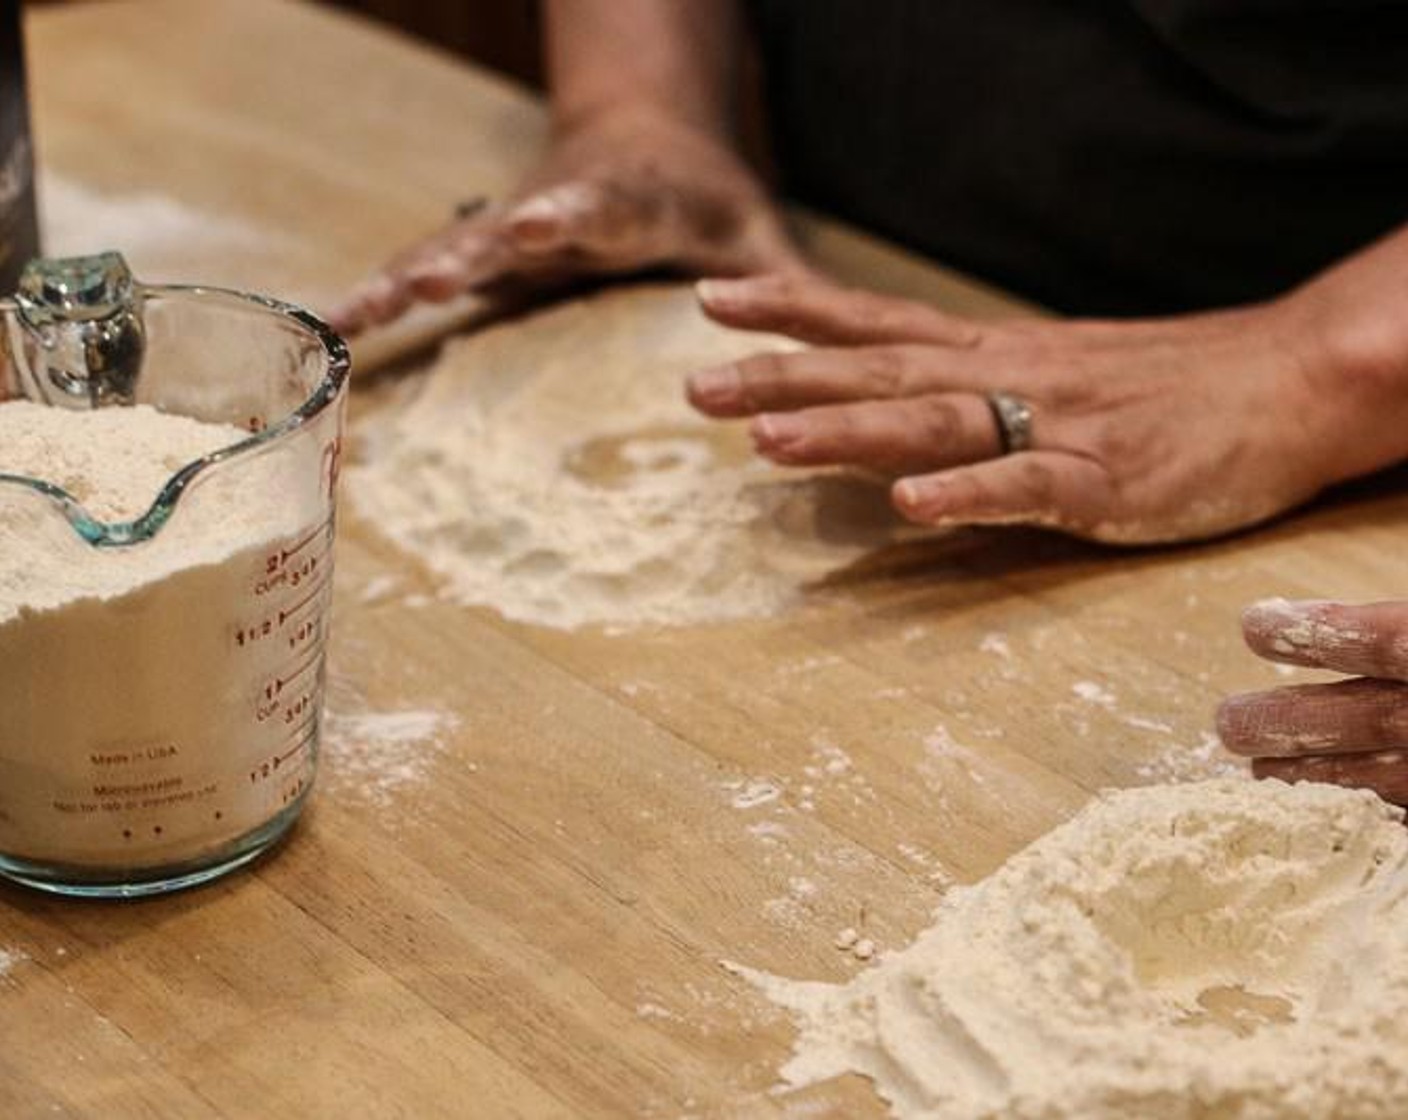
(629, 191)
(1141, 431)
(1351, 732)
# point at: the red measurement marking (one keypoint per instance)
(308, 663)
(306, 730)
(285, 615)
(274, 689)
(307, 631)
(291, 793)
(321, 530)
(298, 707)
(247, 635)
(288, 754)
(303, 734)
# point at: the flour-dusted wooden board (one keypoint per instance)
(529, 921)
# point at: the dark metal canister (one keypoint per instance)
(19, 226)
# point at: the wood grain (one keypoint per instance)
(534, 925)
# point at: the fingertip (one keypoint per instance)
(1298, 631)
(714, 391)
(770, 429)
(444, 263)
(536, 225)
(345, 318)
(1276, 611)
(713, 291)
(365, 307)
(1265, 612)
(777, 437)
(1230, 720)
(732, 294)
(920, 498)
(905, 495)
(437, 277)
(535, 235)
(377, 297)
(436, 287)
(762, 431)
(1278, 769)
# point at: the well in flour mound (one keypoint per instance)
(551, 470)
(1222, 949)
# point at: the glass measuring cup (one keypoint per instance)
(161, 678)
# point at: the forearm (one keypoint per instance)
(675, 56)
(1352, 321)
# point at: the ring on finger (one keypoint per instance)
(1013, 416)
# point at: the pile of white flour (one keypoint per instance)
(552, 470)
(1216, 949)
(129, 729)
(114, 461)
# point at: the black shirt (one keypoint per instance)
(1101, 156)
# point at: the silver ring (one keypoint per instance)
(1014, 421)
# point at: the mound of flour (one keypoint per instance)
(114, 461)
(1216, 949)
(551, 470)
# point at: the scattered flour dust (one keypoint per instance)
(551, 470)
(150, 230)
(1219, 949)
(1093, 693)
(753, 793)
(9, 958)
(1181, 763)
(186, 235)
(376, 755)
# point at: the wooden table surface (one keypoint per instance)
(535, 925)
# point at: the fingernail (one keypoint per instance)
(771, 432)
(1231, 719)
(367, 303)
(377, 291)
(1277, 609)
(539, 206)
(1290, 618)
(537, 221)
(711, 291)
(345, 317)
(1302, 629)
(722, 292)
(917, 493)
(717, 385)
(443, 266)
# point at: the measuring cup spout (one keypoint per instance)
(86, 338)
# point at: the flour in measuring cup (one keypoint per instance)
(129, 700)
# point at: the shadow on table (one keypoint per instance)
(76, 925)
(977, 565)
